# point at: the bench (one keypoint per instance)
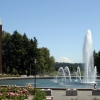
(48, 94)
(47, 91)
(96, 92)
(71, 92)
(49, 97)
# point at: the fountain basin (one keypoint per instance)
(45, 82)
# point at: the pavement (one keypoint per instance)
(61, 95)
(82, 95)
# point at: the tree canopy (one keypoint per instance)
(19, 53)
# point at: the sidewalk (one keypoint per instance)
(82, 95)
(60, 95)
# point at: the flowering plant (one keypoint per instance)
(13, 93)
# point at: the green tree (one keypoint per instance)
(19, 52)
(8, 69)
(97, 61)
(14, 71)
(45, 61)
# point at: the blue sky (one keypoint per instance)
(59, 25)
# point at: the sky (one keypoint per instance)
(59, 25)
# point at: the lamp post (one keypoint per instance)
(35, 76)
(0, 46)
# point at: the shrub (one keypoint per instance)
(40, 95)
(95, 99)
(13, 93)
(2, 96)
(30, 89)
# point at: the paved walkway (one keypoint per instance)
(61, 95)
(82, 95)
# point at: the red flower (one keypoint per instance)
(0, 94)
(24, 91)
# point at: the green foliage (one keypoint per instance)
(74, 99)
(8, 69)
(31, 91)
(95, 99)
(97, 60)
(12, 92)
(5, 75)
(45, 61)
(40, 95)
(53, 73)
(3, 97)
(20, 97)
(72, 66)
(19, 52)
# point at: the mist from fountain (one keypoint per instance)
(78, 74)
(67, 73)
(89, 70)
(62, 74)
(55, 78)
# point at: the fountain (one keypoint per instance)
(55, 79)
(67, 73)
(89, 72)
(78, 74)
(88, 60)
(61, 73)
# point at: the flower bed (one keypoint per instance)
(13, 92)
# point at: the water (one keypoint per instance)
(67, 73)
(89, 69)
(78, 74)
(50, 83)
(61, 72)
(90, 72)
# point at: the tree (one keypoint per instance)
(97, 61)
(8, 69)
(19, 52)
(14, 71)
(45, 61)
